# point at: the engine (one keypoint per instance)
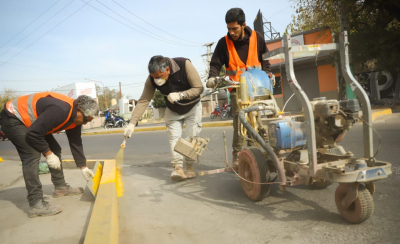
(332, 120)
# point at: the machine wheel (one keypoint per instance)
(253, 167)
(224, 115)
(360, 209)
(213, 116)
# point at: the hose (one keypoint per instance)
(260, 140)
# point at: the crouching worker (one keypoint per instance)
(29, 122)
(177, 80)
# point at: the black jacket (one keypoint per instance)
(221, 55)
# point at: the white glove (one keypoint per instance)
(129, 130)
(211, 82)
(87, 173)
(174, 97)
(53, 161)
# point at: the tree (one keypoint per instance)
(374, 28)
(158, 100)
(109, 94)
(7, 95)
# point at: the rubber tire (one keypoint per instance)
(224, 115)
(360, 210)
(213, 116)
(253, 167)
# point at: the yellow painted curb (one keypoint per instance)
(156, 128)
(376, 114)
(103, 226)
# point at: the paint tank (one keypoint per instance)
(258, 83)
(287, 134)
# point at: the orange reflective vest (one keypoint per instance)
(236, 66)
(24, 108)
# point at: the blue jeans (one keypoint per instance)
(16, 131)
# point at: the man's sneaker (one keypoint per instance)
(42, 209)
(189, 170)
(66, 190)
(235, 158)
(178, 174)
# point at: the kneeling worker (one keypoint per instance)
(29, 122)
(177, 80)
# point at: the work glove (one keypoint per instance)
(53, 161)
(87, 173)
(211, 82)
(129, 130)
(174, 97)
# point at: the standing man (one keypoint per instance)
(177, 80)
(29, 122)
(108, 116)
(241, 49)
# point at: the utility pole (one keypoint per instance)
(104, 92)
(120, 93)
(345, 26)
(209, 54)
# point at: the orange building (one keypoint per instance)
(316, 75)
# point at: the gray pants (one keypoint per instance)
(174, 122)
(16, 131)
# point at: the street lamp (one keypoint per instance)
(104, 92)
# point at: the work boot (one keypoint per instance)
(178, 174)
(66, 190)
(189, 170)
(43, 208)
(235, 158)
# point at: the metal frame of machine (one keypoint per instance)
(318, 165)
(304, 149)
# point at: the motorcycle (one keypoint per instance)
(3, 137)
(117, 121)
(226, 111)
(216, 113)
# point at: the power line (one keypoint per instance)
(68, 71)
(44, 34)
(36, 28)
(140, 26)
(151, 24)
(29, 24)
(279, 12)
(164, 40)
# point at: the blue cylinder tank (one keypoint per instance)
(287, 134)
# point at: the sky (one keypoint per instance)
(45, 44)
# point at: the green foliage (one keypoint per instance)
(7, 95)
(158, 100)
(109, 94)
(374, 28)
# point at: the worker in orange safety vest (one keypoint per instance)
(240, 50)
(29, 122)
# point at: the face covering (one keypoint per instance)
(159, 81)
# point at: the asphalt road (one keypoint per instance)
(214, 209)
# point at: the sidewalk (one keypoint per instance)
(16, 227)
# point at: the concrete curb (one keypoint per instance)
(157, 128)
(103, 226)
(376, 112)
